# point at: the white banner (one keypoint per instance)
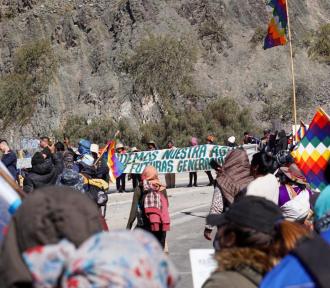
(24, 163)
(179, 160)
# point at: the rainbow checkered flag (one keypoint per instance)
(301, 132)
(278, 24)
(116, 168)
(313, 152)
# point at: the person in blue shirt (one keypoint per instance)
(9, 158)
(291, 272)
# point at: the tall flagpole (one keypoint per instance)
(294, 100)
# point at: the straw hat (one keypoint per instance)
(120, 146)
(134, 149)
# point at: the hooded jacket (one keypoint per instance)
(10, 161)
(53, 220)
(43, 174)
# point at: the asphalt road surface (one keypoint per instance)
(188, 208)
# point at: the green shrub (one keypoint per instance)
(161, 65)
(320, 45)
(98, 130)
(34, 67)
(221, 118)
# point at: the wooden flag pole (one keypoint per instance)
(294, 100)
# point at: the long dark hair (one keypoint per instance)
(257, 249)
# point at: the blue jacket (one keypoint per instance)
(10, 161)
(290, 273)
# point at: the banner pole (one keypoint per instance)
(294, 99)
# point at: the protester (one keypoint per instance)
(308, 265)
(136, 178)
(43, 172)
(100, 165)
(69, 176)
(150, 206)
(116, 259)
(247, 139)
(232, 179)
(231, 142)
(265, 139)
(46, 146)
(294, 196)
(58, 155)
(121, 180)
(151, 145)
(252, 237)
(282, 142)
(84, 147)
(170, 177)
(85, 166)
(210, 141)
(9, 158)
(193, 175)
(47, 216)
(95, 151)
(265, 183)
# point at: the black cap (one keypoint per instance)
(251, 211)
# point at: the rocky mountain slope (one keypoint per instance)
(91, 41)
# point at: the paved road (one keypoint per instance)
(188, 208)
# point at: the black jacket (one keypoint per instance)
(10, 161)
(44, 174)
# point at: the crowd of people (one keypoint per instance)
(269, 225)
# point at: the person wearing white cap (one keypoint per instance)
(95, 151)
(121, 180)
(231, 142)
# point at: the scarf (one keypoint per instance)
(150, 174)
(116, 259)
(234, 175)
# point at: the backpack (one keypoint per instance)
(96, 190)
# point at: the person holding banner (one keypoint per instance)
(151, 145)
(210, 141)
(193, 175)
(170, 177)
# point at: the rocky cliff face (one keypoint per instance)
(90, 37)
